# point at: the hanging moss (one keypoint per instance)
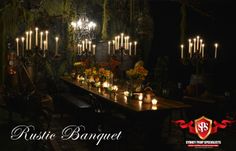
(106, 19)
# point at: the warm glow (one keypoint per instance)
(115, 88)
(216, 45)
(126, 93)
(154, 101)
(140, 97)
(182, 46)
(56, 38)
(105, 84)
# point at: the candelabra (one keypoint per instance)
(122, 46)
(196, 52)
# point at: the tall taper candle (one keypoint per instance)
(113, 45)
(189, 45)
(23, 45)
(200, 47)
(41, 40)
(46, 32)
(109, 47)
(118, 42)
(121, 39)
(216, 46)
(56, 39)
(83, 45)
(203, 45)
(94, 47)
(194, 45)
(90, 43)
(36, 36)
(130, 48)
(198, 42)
(135, 47)
(27, 40)
(182, 51)
(17, 47)
(30, 40)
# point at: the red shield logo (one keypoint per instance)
(203, 127)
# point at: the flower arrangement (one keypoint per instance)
(137, 73)
(98, 74)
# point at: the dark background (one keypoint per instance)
(212, 20)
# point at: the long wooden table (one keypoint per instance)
(133, 104)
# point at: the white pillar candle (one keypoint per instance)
(41, 40)
(182, 51)
(135, 47)
(203, 45)
(109, 48)
(46, 32)
(94, 47)
(17, 47)
(130, 48)
(56, 39)
(90, 43)
(23, 45)
(216, 46)
(27, 40)
(194, 45)
(30, 40)
(121, 39)
(36, 36)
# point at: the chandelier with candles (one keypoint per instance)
(83, 35)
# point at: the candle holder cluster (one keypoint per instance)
(122, 45)
(34, 42)
(196, 52)
(86, 49)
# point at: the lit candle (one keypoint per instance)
(140, 104)
(30, 40)
(36, 36)
(118, 42)
(27, 40)
(41, 40)
(90, 45)
(94, 47)
(189, 45)
(56, 39)
(154, 101)
(130, 47)
(23, 45)
(194, 45)
(216, 46)
(86, 42)
(182, 51)
(140, 97)
(113, 43)
(135, 46)
(190, 51)
(127, 42)
(200, 47)
(44, 48)
(198, 42)
(17, 47)
(83, 45)
(46, 39)
(109, 47)
(203, 45)
(121, 39)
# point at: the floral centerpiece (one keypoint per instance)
(137, 75)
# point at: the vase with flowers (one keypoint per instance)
(136, 76)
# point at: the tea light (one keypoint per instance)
(126, 93)
(140, 97)
(105, 84)
(115, 88)
(154, 101)
(140, 103)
